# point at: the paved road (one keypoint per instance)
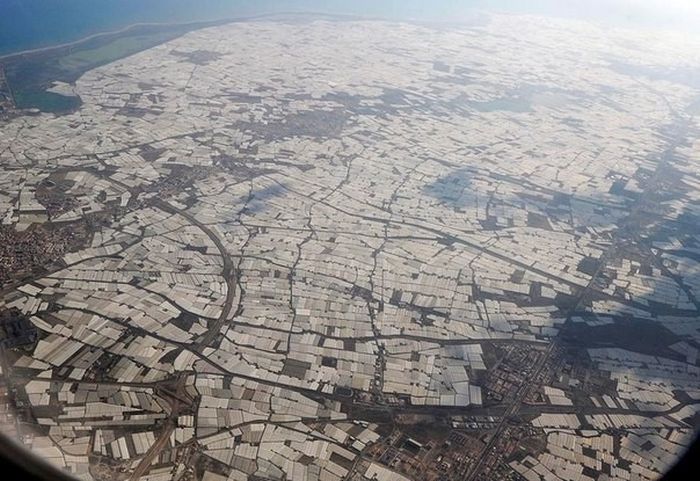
(229, 273)
(178, 401)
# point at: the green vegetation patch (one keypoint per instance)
(83, 60)
(29, 75)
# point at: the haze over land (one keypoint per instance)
(28, 24)
(321, 248)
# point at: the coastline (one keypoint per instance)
(13, 56)
(30, 73)
(22, 53)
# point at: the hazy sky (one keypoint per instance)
(681, 5)
(673, 14)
